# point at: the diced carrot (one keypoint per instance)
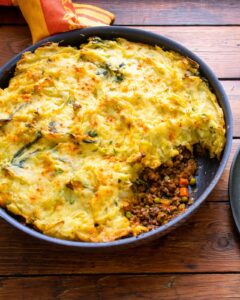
(183, 191)
(183, 181)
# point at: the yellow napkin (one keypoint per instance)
(47, 17)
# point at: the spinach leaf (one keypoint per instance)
(15, 160)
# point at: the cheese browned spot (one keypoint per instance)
(79, 125)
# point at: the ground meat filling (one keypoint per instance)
(163, 193)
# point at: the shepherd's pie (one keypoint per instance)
(78, 126)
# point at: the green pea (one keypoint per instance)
(192, 181)
(128, 214)
(184, 199)
(182, 206)
(157, 200)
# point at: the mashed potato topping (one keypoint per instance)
(79, 125)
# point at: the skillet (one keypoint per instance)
(209, 170)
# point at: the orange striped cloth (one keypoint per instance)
(47, 17)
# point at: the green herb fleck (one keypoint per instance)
(70, 100)
(102, 71)
(140, 181)
(92, 133)
(71, 200)
(119, 77)
(10, 117)
(21, 163)
(21, 151)
(58, 171)
(110, 71)
(69, 193)
(96, 40)
(89, 141)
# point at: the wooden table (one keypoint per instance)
(199, 260)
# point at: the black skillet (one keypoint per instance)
(210, 170)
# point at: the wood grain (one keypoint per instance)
(118, 287)
(152, 12)
(220, 192)
(11, 15)
(174, 12)
(232, 89)
(218, 46)
(208, 242)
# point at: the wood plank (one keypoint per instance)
(232, 89)
(218, 46)
(220, 192)
(161, 12)
(15, 39)
(11, 15)
(174, 12)
(208, 242)
(128, 287)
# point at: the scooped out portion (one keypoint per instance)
(95, 141)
